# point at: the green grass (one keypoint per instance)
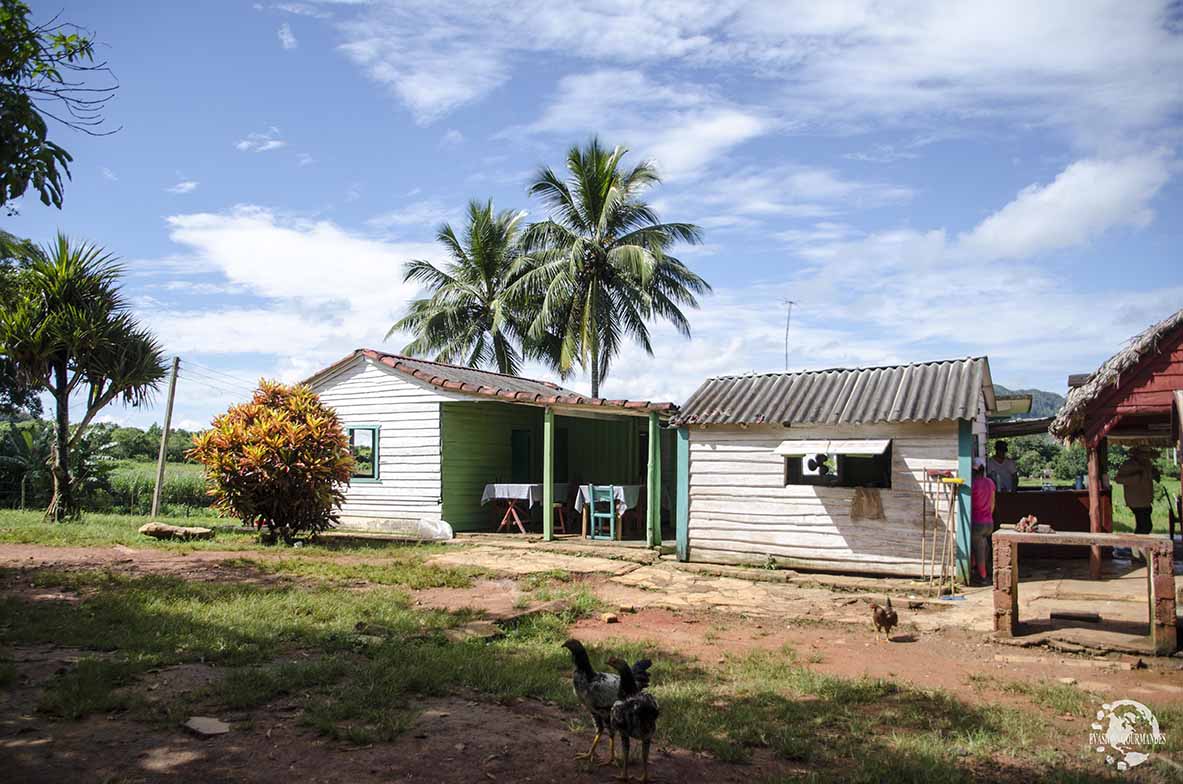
(105, 530)
(146, 469)
(558, 585)
(1061, 698)
(403, 565)
(91, 686)
(299, 641)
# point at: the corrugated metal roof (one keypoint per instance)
(923, 392)
(485, 383)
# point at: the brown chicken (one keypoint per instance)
(885, 619)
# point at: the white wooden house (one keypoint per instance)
(428, 436)
(825, 469)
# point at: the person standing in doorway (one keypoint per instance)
(1137, 476)
(982, 495)
(1002, 469)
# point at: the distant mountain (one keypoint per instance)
(1043, 404)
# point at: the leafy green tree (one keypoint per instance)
(27, 452)
(1071, 462)
(132, 443)
(469, 317)
(178, 446)
(16, 400)
(91, 466)
(600, 267)
(44, 73)
(71, 333)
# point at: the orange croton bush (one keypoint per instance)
(279, 462)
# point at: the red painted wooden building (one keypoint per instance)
(1129, 400)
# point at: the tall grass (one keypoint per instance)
(184, 488)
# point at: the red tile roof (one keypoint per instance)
(455, 378)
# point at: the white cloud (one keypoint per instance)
(261, 142)
(438, 56)
(874, 298)
(451, 138)
(1086, 199)
(287, 39)
(184, 186)
(320, 290)
(681, 127)
(789, 191)
(426, 214)
(304, 159)
(1097, 69)
(302, 9)
(108, 174)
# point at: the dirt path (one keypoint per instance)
(706, 617)
(453, 740)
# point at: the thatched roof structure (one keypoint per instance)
(1070, 421)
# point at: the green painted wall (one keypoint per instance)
(476, 440)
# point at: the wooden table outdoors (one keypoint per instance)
(1160, 575)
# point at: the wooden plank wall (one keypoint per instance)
(409, 445)
(741, 511)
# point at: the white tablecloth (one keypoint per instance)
(627, 496)
(530, 493)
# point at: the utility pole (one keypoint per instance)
(788, 322)
(168, 420)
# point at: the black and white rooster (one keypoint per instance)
(599, 691)
(634, 716)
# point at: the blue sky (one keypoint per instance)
(926, 182)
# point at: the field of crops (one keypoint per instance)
(183, 492)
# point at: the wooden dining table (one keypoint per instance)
(513, 495)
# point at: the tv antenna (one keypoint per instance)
(788, 322)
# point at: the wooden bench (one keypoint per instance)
(1161, 577)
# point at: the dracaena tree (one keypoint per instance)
(279, 462)
(71, 333)
(601, 267)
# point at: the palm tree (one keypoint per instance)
(70, 332)
(600, 266)
(469, 317)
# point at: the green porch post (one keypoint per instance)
(965, 443)
(683, 519)
(653, 523)
(548, 474)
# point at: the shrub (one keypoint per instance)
(279, 462)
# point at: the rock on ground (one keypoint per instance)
(164, 531)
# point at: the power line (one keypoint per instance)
(208, 383)
(202, 373)
(216, 372)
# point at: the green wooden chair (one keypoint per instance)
(602, 494)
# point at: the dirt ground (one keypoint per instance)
(526, 740)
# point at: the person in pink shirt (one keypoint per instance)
(982, 494)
